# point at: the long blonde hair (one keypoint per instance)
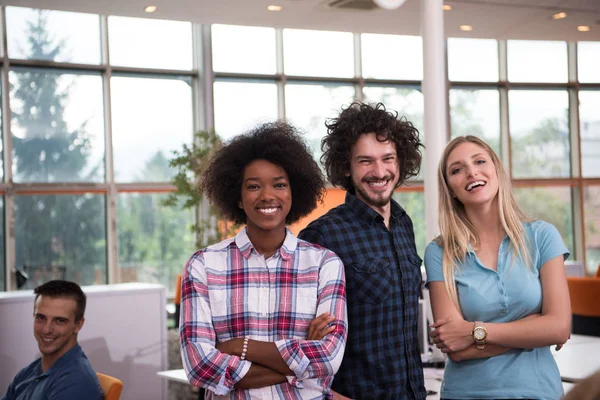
(457, 232)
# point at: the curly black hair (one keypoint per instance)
(358, 119)
(279, 143)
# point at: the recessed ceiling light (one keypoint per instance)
(150, 9)
(583, 28)
(274, 8)
(447, 7)
(466, 28)
(559, 15)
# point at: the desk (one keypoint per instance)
(177, 375)
(579, 358)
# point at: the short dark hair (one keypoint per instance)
(359, 119)
(63, 290)
(279, 143)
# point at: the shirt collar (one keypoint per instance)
(73, 353)
(286, 250)
(363, 210)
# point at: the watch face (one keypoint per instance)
(479, 333)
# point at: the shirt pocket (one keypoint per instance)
(229, 317)
(372, 280)
(412, 272)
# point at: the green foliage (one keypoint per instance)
(190, 162)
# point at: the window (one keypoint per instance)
(150, 43)
(539, 133)
(591, 201)
(241, 105)
(57, 127)
(243, 49)
(414, 205)
(392, 57)
(318, 53)
(151, 117)
(61, 237)
(62, 36)
(552, 204)
(477, 113)
(309, 105)
(537, 61)
(588, 60)
(155, 241)
(589, 123)
(472, 60)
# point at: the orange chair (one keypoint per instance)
(110, 386)
(177, 300)
(585, 306)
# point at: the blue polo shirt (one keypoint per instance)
(71, 377)
(508, 294)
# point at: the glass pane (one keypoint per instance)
(154, 240)
(539, 133)
(408, 102)
(57, 126)
(551, 204)
(151, 117)
(61, 237)
(591, 201)
(239, 106)
(537, 61)
(318, 53)
(308, 106)
(472, 60)
(53, 35)
(384, 57)
(589, 122)
(588, 61)
(150, 43)
(243, 49)
(414, 205)
(477, 113)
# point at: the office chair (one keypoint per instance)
(110, 386)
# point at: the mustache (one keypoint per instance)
(375, 179)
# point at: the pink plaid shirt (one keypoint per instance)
(229, 291)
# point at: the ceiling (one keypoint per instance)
(500, 19)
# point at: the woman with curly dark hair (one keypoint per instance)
(370, 152)
(249, 325)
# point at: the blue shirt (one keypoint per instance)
(508, 294)
(383, 278)
(71, 377)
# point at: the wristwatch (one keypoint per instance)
(479, 334)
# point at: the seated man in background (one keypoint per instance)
(63, 372)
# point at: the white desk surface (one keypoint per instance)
(579, 358)
(177, 375)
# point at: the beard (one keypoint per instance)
(378, 199)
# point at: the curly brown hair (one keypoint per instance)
(279, 143)
(359, 119)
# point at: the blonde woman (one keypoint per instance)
(497, 283)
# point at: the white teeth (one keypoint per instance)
(378, 183)
(267, 210)
(473, 184)
(47, 340)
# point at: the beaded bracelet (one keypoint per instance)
(244, 348)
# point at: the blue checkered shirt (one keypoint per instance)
(383, 278)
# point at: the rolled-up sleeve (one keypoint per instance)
(321, 358)
(204, 365)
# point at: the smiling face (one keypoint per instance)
(266, 197)
(54, 326)
(374, 170)
(471, 175)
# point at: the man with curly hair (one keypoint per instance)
(370, 152)
(249, 327)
